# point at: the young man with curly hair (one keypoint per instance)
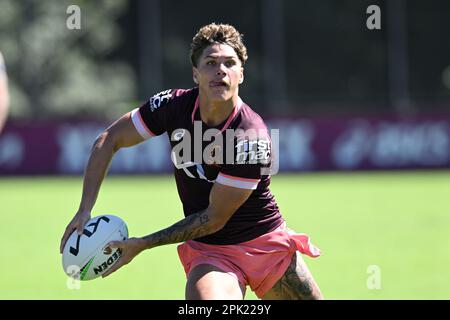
(233, 234)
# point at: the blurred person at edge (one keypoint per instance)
(4, 94)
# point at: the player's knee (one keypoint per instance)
(207, 282)
(200, 290)
(205, 290)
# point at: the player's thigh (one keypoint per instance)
(297, 283)
(207, 282)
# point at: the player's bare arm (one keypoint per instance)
(4, 94)
(120, 134)
(224, 201)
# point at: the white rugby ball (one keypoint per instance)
(86, 256)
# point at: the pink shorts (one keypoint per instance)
(259, 263)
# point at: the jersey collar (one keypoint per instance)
(233, 114)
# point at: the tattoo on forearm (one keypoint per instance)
(191, 227)
(204, 219)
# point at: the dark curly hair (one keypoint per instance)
(217, 33)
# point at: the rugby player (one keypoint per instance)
(233, 234)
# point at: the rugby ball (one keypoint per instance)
(86, 256)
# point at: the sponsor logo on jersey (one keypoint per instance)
(158, 99)
(253, 151)
(178, 134)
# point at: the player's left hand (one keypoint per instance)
(130, 249)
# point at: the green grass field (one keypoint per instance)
(399, 222)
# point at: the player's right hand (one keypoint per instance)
(78, 222)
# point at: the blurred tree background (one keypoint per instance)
(306, 57)
(57, 72)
